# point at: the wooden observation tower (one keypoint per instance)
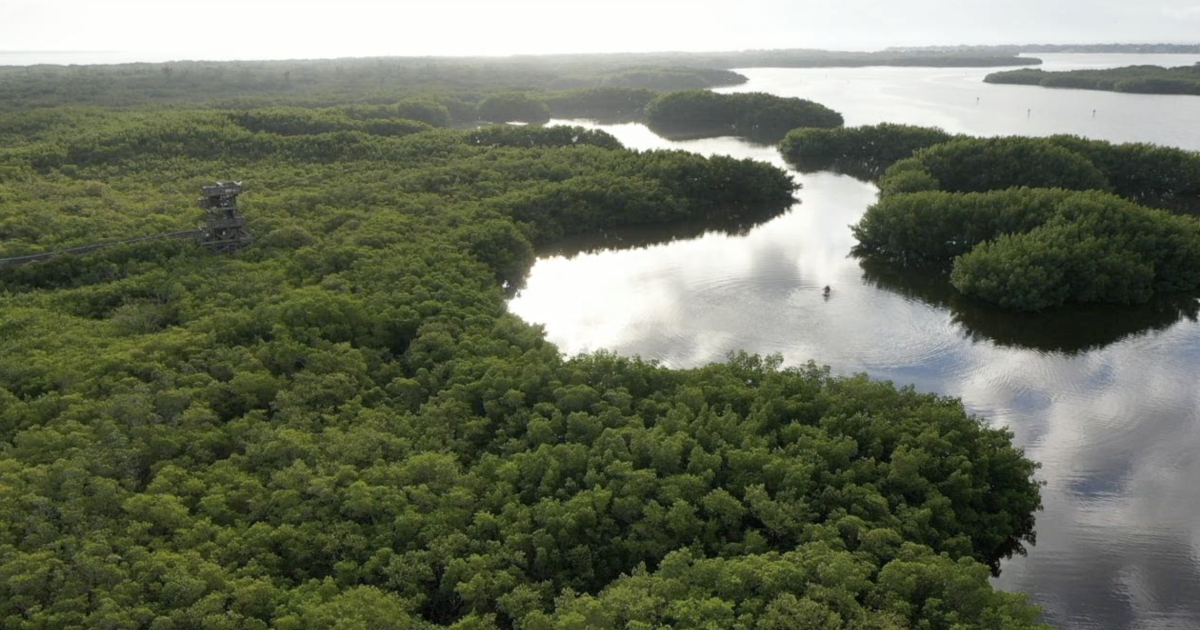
(225, 228)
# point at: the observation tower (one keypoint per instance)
(224, 230)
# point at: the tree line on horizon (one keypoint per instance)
(1131, 79)
(373, 80)
(1014, 49)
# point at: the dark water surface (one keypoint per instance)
(1107, 399)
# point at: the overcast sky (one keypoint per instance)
(223, 29)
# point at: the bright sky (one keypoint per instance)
(308, 28)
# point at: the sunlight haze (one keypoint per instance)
(272, 29)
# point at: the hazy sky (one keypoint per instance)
(305, 28)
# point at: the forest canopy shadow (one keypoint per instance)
(1070, 330)
(635, 237)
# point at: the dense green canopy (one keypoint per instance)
(1155, 175)
(326, 82)
(754, 115)
(1159, 176)
(601, 103)
(980, 164)
(1002, 212)
(317, 82)
(342, 426)
(864, 152)
(513, 107)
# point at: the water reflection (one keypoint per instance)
(1107, 400)
(752, 136)
(645, 236)
(853, 168)
(1117, 437)
(1071, 330)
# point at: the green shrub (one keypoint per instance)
(755, 115)
(516, 136)
(861, 151)
(513, 107)
(980, 164)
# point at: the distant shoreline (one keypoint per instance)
(1131, 79)
(926, 56)
(795, 58)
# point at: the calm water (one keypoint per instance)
(1106, 399)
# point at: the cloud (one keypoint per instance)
(1182, 12)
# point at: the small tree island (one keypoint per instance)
(753, 115)
(1133, 79)
(1035, 223)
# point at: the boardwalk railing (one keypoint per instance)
(84, 249)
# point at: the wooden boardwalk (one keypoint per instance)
(84, 249)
